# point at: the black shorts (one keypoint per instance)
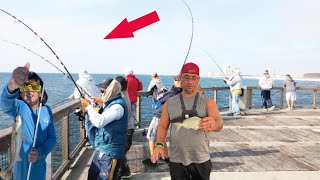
(191, 172)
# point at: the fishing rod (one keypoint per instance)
(21, 46)
(16, 44)
(275, 92)
(214, 62)
(57, 57)
(191, 39)
(36, 131)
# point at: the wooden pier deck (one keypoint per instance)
(265, 142)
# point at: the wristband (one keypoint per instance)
(159, 145)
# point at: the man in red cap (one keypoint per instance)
(192, 116)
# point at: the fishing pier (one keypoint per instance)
(261, 144)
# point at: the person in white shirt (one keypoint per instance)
(266, 83)
(235, 87)
(88, 89)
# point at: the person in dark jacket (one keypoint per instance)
(152, 131)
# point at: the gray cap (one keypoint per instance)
(105, 83)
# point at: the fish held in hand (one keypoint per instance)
(16, 143)
(190, 123)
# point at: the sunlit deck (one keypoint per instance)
(280, 144)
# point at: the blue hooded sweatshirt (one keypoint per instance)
(46, 137)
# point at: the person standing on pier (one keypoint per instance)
(190, 116)
(290, 86)
(20, 99)
(124, 172)
(134, 85)
(235, 87)
(110, 140)
(266, 83)
(88, 88)
(157, 88)
(153, 127)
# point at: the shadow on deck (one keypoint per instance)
(261, 141)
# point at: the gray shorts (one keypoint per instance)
(152, 131)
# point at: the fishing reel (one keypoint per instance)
(78, 112)
(144, 132)
(98, 105)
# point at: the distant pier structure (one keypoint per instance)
(311, 75)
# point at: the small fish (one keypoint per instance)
(16, 143)
(190, 123)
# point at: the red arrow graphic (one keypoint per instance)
(125, 29)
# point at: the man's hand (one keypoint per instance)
(157, 151)
(18, 77)
(33, 155)
(207, 124)
(84, 104)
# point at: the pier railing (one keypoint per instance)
(71, 133)
(251, 98)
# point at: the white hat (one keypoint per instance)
(154, 74)
(128, 71)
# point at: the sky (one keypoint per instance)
(253, 35)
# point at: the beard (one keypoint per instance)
(189, 91)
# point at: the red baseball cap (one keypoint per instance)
(190, 68)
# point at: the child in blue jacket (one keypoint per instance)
(21, 97)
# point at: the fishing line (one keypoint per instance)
(275, 92)
(214, 62)
(65, 75)
(57, 57)
(16, 44)
(191, 39)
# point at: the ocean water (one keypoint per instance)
(59, 88)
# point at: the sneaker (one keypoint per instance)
(126, 175)
(264, 108)
(148, 162)
(230, 114)
(236, 115)
(271, 108)
(90, 147)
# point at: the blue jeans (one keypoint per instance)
(235, 104)
(101, 167)
(90, 130)
(266, 98)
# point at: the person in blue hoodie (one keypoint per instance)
(153, 127)
(21, 97)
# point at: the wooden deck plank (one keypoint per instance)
(262, 141)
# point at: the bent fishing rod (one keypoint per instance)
(214, 62)
(192, 31)
(23, 47)
(57, 57)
